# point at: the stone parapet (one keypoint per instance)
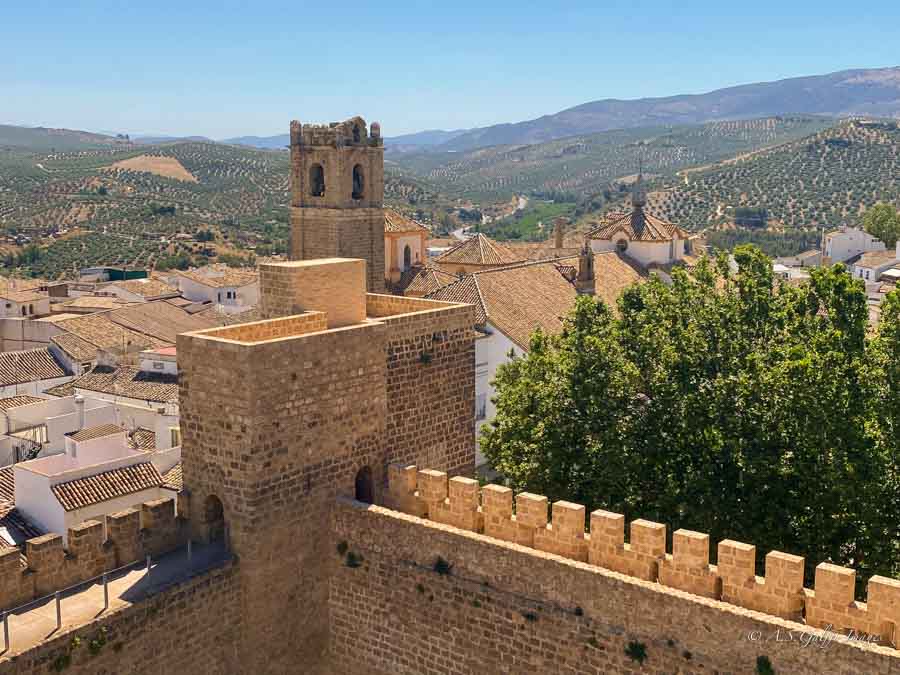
(780, 593)
(45, 566)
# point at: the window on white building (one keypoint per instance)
(480, 407)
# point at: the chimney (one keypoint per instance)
(558, 225)
(79, 409)
(585, 281)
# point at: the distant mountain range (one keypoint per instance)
(872, 92)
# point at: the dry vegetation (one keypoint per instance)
(159, 165)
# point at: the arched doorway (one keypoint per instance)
(214, 519)
(407, 257)
(364, 489)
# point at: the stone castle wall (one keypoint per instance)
(412, 596)
(193, 627)
(47, 567)
(430, 351)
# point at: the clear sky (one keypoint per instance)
(228, 68)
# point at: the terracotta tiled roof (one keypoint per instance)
(420, 281)
(97, 302)
(516, 299)
(62, 390)
(173, 478)
(227, 277)
(479, 250)
(102, 332)
(74, 347)
(29, 366)
(146, 288)
(81, 492)
(160, 320)
(18, 401)
(613, 273)
(637, 226)
(22, 296)
(395, 221)
(142, 439)
(7, 485)
(98, 431)
(876, 258)
(128, 381)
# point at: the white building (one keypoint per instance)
(27, 304)
(234, 290)
(140, 290)
(97, 474)
(640, 236)
(871, 265)
(847, 242)
(33, 427)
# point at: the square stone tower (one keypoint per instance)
(337, 194)
(282, 415)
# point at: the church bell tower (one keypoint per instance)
(337, 194)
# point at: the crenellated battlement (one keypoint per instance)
(458, 502)
(95, 547)
(350, 132)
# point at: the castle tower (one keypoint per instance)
(337, 194)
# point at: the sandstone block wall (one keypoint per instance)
(424, 597)
(430, 352)
(46, 567)
(275, 430)
(779, 593)
(334, 286)
(193, 627)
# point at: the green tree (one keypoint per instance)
(883, 221)
(729, 404)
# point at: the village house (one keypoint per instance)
(28, 303)
(31, 372)
(870, 265)
(140, 290)
(233, 290)
(846, 243)
(99, 473)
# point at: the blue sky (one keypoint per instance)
(231, 68)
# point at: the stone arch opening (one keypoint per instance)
(622, 245)
(317, 180)
(357, 134)
(407, 257)
(359, 183)
(364, 488)
(214, 518)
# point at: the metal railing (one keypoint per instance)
(104, 578)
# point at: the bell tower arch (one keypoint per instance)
(337, 194)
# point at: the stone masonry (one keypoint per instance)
(282, 416)
(337, 194)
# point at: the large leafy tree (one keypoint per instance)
(727, 403)
(883, 222)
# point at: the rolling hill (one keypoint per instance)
(827, 178)
(37, 139)
(581, 165)
(874, 92)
